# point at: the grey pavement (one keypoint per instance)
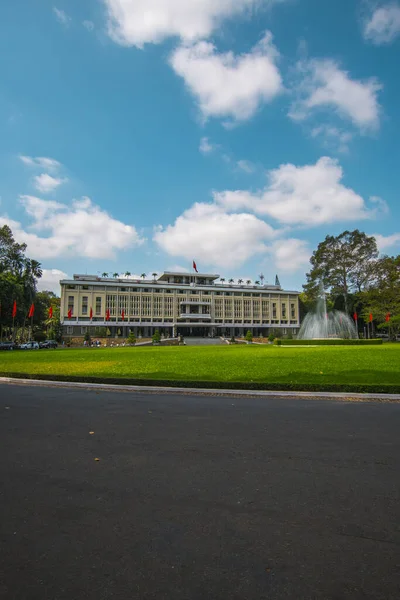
(203, 341)
(196, 497)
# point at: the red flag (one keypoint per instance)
(355, 316)
(195, 267)
(50, 316)
(31, 311)
(14, 310)
(123, 314)
(107, 314)
(91, 313)
(387, 318)
(370, 317)
(69, 313)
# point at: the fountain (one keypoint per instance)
(323, 325)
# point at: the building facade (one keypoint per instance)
(175, 304)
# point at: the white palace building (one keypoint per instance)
(176, 304)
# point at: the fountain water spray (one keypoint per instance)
(323, 325)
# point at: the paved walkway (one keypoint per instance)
(203, 341)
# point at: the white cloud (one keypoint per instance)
(387, 241)
(46, 183)
(61, 16)
(206, 146)
(50, 280)
(383, 26)
(89, 25)
(291, 254)
(137, 22)
(322, 84)
(226, 85)
(246, 166)
(309, 195)
(215, 237)
(79, 229)
(333, 137)
(41, 161)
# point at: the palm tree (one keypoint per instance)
(154, 275)
(262, 278)
(231, 281)
(222, 280)
(127, 274)
(257, 283)
(240, 281)
(248, 281)
(104, 274)
(115, 275)
(143, 275)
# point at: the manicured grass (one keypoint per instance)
(264, 367)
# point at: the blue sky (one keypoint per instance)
(137, 135)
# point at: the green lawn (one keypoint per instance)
(347, 368)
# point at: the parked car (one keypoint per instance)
(48, 344)
(30, 346)
(8, 346)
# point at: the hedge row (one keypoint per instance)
(227, 385)
(331, 342)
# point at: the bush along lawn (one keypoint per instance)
(331, 342)
(360, 368)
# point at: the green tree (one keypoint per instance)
(344, 263)
(382, 298)
(104, 274)
(131, 338)
(249, 336)
(156, 337)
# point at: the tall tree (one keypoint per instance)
(382, 298)
(344, 263)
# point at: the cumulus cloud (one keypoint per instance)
(290, 255)
(50, 164)
(89, 25)
(309, 195)
(383, 25)
(137, 22)
(321, 84)
(50, 280)
(216, 237)
(226, 85)
(45, 183)
(206, 146)
(333, 137)
(387, 241)
(246, 166)
(61, 16)
(78, 229)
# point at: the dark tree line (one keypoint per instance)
(19, 275)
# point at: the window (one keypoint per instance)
(85, 287)
(70, 330)
(292, 311)
(98, 305)
(83, 330)
(71, 287)
(71, 304)
(283, 311)
(84, 305)
(274, 310)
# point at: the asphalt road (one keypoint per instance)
(196, 498)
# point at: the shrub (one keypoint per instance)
(131, 338)
(39, 336)
(156, 337)
(271, 337)
(87, 337)
(249, 336)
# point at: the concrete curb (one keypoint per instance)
(346, 396)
